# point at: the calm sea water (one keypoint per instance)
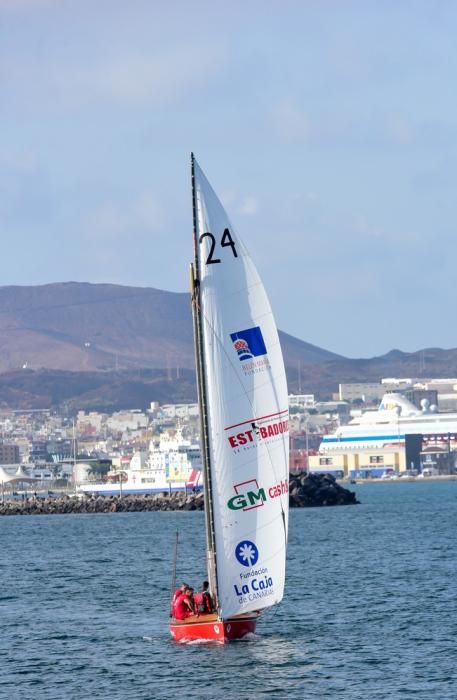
(370, 608)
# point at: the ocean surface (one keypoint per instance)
(370, 608)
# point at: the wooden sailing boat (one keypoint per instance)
(243, 403)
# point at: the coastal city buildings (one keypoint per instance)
(366, 431)
(9, 454)
(408, 434)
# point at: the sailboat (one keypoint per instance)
(243, 401)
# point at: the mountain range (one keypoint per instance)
(106, 347)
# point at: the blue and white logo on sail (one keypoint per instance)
(249, 343)
(247, 553)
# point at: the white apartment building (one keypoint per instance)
(127, 420)
(179, 410)
(301, 400)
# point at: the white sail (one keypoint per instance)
(247, 413)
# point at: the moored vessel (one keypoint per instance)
(394, 419)
(172, 465)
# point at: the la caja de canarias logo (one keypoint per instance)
(255, 583)
(247, 553)
(251, 349)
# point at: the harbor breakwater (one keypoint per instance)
(305, 491)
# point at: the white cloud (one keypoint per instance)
(121, 221)
(156, 79)
(399, 130)
(26, 5)
(364, 228)
(249, 206)
(290, 121)
(236, 204)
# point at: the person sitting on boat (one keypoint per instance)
(203, 600)
(184, 605)
(179, 591)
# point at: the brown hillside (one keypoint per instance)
(89, 327)
(106, 347)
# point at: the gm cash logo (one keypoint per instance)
(249, 495)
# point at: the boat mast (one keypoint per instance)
(202, 400)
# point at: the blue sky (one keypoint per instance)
(328, 129)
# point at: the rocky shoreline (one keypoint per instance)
(311, 490)
(305, 491)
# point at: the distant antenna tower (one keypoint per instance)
(299, 376)
(422, 362)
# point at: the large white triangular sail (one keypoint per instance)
(247, 413)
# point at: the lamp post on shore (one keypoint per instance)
(398, 412)
(307, 442)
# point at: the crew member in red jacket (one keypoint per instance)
(203, 601)
(184, 605)
(179, 591)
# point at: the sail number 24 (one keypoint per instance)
(226, 241)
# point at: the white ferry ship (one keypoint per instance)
(396, 418)
(173, 465)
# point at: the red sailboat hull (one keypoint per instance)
(212, 628)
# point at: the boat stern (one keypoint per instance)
(212, 628)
